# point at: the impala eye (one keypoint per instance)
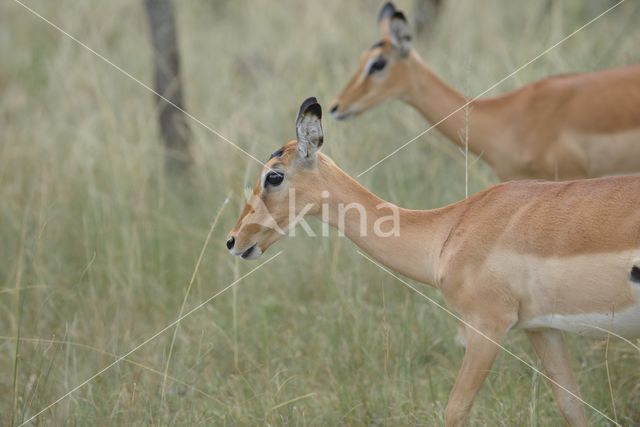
(378, 65)
(274, 178)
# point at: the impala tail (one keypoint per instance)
(634, 275)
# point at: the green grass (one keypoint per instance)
(97, 245)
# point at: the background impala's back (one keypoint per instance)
(98, 244)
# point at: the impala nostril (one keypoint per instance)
(334, 108)
(231, 242)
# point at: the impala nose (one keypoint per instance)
(334, 108)
(231, 242)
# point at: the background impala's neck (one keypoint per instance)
(412, 249)
(435, 100)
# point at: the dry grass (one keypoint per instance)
(97, 246)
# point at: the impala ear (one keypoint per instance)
(400, 33)
(384, 17)
(309, 129)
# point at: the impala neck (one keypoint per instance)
(436, 101)
(413, 250)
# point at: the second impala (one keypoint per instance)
(564, 127)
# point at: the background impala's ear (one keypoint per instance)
(309, 129)
(400, 32)
(384, 17)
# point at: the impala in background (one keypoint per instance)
(563, 127)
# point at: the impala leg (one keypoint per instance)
(479, 355)
(552, 351)
(461, 339)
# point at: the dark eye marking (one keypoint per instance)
(277, 153)
(273, 178)
(377, 65)
(635, 274)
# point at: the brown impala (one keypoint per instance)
(563, 127)
(543, 257)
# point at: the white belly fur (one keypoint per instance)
(565, 290)
(625, 323)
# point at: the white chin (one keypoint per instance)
(340, 116)
(255, 253)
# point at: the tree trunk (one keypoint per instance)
(174, 128)
(426, 13)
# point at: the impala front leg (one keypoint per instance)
(480, 352)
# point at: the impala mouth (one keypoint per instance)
(252, 253)
(341, 115)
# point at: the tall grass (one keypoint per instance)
(98, 246)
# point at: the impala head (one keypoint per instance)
(383, 69)
(289, 186)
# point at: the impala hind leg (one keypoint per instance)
(461, 339)
(480, 352)
(552, 351)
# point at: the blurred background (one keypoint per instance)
(99, 239)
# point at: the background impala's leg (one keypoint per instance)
(552, 351)
(479, 355)
(461, 339)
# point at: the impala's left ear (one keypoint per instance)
(384, 17)
(400, 33)
(309, 129)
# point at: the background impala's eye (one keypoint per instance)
(378, 65)
(274, 178)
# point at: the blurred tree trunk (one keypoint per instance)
(174, 128)
(426, 13)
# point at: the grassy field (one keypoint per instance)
(98, 246)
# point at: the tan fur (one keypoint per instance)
(563, 127)
(506, 256)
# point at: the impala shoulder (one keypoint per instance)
(551, 92)
(470, 219)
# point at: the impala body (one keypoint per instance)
(539, 256)
(564, 127)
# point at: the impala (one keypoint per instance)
(539, 256)
(563, 127)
